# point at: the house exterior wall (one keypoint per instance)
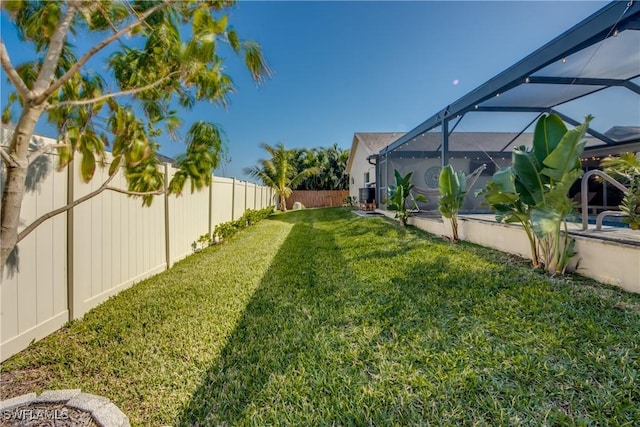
(426, 174)
(359, 167)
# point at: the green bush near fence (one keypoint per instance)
(224, 230)
(251, 217)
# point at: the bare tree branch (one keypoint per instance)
(56, 43)
(12, 74)
(128, 5)
(110, 95)
(24, 233)
(105, 186)
(95, 49)
(136, 193)
(43, 150)
(7, 158)
(106, 17)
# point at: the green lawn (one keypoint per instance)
(320, 317)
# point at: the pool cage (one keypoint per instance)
(591, 69)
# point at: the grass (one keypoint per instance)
(319, 317)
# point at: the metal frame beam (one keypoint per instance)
(632, 86)
(590, 131)
(584, 81)
(444, 149)
(435, 154)
(512, 109)
(522, 131)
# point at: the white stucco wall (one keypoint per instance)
(613, 263)
(359, 167)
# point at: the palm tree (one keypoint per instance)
(331, 163)
(280, 171)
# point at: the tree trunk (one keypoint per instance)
(14, 185)
(454, 229)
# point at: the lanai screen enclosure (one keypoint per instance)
(593, 68)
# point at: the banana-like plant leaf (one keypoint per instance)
(452, 186)
(529, 183)
(545, 221)
(548, 132)
(504, 179)
(566, 155)
(448, 181)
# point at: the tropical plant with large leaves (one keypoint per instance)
(453, 186)
(162, 55)
(534, 190)
(625, 168)
(280, 172)
(399, 194)
(453, 189)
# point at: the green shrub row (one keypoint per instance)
(227, 229)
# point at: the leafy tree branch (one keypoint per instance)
(163, 64)
(95, 49)
(110, 95)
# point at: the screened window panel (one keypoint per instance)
(605, 107)
(596, 60)
(539, 95)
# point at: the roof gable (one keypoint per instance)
(376, 141)
(372, 142)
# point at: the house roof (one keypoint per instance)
(624, 133)
(596, 57)
(376, 141)
(373, 142)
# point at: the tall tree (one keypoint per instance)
(280, 172)
(331, 163)
(153, 67)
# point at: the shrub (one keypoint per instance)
(398, 195)
(534, 190)
(227, 229)
(626, 169)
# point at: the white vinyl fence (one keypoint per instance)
(76, 260)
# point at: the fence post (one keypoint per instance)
(246, 193)
(70, 272)
(233, 200)
(255, 196)
(211, 207)
(167, 246)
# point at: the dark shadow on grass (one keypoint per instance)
(295, 300)
(308, 342)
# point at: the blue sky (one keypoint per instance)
(344, 67)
